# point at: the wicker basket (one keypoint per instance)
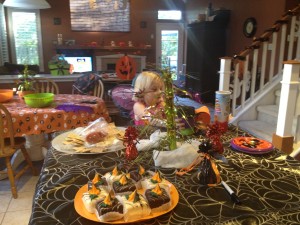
(39, 100)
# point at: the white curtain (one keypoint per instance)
(4, 57)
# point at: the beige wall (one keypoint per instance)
(266, 13)
(141, 10)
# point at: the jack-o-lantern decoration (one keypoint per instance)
(126, 68)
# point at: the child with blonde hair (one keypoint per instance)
(148, 97)
(149, 103)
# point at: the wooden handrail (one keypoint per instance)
(267, 34)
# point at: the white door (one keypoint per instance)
(169, 46)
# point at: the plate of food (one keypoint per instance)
(90, 141)
(143, 202)
(251, 145)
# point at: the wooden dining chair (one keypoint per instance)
(45, 85)
(98, 89)
(9, 146)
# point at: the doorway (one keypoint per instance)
(169, 46)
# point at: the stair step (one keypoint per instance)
(277, 92)
(268, 113)
(272, 110)
(277, 96)
(260, 129)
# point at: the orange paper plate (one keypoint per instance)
(81, 210)
(251, 145)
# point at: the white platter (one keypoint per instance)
(58, 144)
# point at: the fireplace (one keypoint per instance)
(107, 63)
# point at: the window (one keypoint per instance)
(169, 15)
(4, 57)
(25, 36)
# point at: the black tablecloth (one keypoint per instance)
(267, 185)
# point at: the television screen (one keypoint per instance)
(80, 64)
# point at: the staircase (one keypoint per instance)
(256, 80)
(265, 124)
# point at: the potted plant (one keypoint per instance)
(25, 84)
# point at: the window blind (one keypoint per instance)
(4, 57)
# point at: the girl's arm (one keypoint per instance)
(139, 110)
(141, 113)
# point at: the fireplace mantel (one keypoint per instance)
(103, 62)
(138, 53)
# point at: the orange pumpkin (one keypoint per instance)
(126, 68)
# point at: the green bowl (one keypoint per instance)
(39, 100)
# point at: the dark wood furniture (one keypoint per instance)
(206, 43)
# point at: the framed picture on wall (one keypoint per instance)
(105, 15)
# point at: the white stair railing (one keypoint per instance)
(283, 138)
(256, 67)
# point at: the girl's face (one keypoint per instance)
(153, 96)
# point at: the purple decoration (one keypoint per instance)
(197, 97)
(69, 107)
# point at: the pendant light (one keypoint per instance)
(27, 4)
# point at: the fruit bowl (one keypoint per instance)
(6, 95)
(39, 100)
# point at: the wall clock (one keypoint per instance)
(249, 28)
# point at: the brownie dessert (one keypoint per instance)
(109, 209)
(138, 173)
(158, 199)
(93, 196)
(135, 206)
(114, 175)
(124, 185)
(150, 183)
(99, 182)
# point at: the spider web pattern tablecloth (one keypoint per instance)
(267, 185)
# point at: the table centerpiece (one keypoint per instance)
(171, 144)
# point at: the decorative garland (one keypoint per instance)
(170, 110)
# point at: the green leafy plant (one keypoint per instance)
(25, 83)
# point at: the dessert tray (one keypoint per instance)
(114, 144)
(251, 145)
(81, 210)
